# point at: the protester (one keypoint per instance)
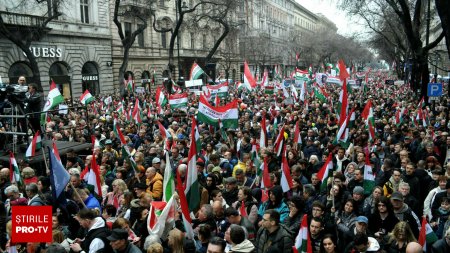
(244, 175)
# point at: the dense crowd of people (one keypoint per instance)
(409, 157)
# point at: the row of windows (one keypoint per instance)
(165, 38)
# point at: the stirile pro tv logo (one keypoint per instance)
(31, 224)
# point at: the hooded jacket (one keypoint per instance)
(279, 204)
(244, 247)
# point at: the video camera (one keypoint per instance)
(13, 93)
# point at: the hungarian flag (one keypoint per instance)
(249, 80)
(263, 134)
(130, 84)
(192, 186)
(160, 214)
(163, 131)
(343, 103)
(324, 172)
(265, 80)
(120, 109)
(426, 235)
(137, 112)
(343, 74)
(36, 143)
(118, 132)
(196, 71)
(220, 90)
(269, 89)
(86, 98)
(302, 241)
(178, 100)
(279, 142)
(303, 92)
(209, 114)
(297, 136)
(320, 94)
(54, 98)
(286, 179)
(161, 99)
(14, 173)
(399, 116)
(169, 180)
(185, 214)
(369, 177)
(367, 115)
(343, 132)
(93, 176)
(266, 182)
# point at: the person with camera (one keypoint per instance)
(33, 105)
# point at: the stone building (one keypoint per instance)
(75, 50)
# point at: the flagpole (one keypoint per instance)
(78, 195)
(47, 171)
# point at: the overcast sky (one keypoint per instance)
(345, 25)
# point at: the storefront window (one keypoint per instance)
(90, 78)
(59, 73)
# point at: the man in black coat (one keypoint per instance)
(442, 245)
(33, 104)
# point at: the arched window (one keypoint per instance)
(90, 78)
(20, 69)
(59, 73)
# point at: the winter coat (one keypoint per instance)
(281, 240)
(155, 186)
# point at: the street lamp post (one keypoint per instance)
(178, 37)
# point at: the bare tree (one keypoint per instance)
(216, 11)
(140, 10)
(411, 14)
(443, 9)
(29, 33)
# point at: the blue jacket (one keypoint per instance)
(91, 202)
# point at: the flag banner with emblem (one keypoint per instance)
(221, 90)
(178, 100)
(228, 114)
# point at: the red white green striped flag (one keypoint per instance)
(324, 172)
(160, 214)
(192, 186)
(14, 173)
(263, 134)
(169, 180)
(137, 112)
(426, 235)
(185, 214)
(196, 71)
(297, 136)
(86, 98)
(303, 241)
(35, 144)
(119, 133)
(249, 79)
(369, 177)
(228, 114)
(286, 179)
(178, 100)
(367, 115)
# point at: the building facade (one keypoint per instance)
(274, 30)
(75, 50)
(150, 52)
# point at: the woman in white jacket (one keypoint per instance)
(431, 196)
